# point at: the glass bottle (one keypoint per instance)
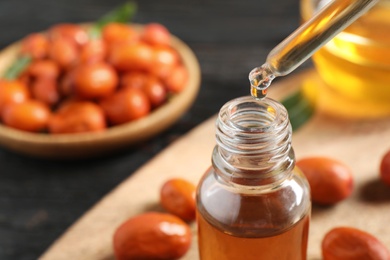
(253, 203)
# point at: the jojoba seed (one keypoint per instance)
(330, 180)
(385, 168)
(177, 196)
(346, 243)
(153, 235)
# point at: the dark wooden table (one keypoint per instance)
(40, 199)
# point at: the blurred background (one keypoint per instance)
(40, 199)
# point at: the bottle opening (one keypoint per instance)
(251, 117)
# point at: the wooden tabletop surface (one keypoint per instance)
(40, 199)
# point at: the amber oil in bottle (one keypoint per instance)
(253, 203)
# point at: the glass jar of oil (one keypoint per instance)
(253, 203)
(352, 76)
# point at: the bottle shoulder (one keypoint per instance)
(291, 179)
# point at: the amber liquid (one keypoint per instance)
(216, 244)
(354, 68)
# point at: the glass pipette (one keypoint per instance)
(303, 42)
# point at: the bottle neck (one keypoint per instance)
(253, 142)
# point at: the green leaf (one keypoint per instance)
(121, 14)
(94, 32)
(19, 65)
(300, 110)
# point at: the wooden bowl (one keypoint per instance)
(75, 146)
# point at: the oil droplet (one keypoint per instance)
(258, 93)
(260, 78)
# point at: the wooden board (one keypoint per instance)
(359, 144)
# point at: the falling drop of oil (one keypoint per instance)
(260, 78)
(258, 93)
